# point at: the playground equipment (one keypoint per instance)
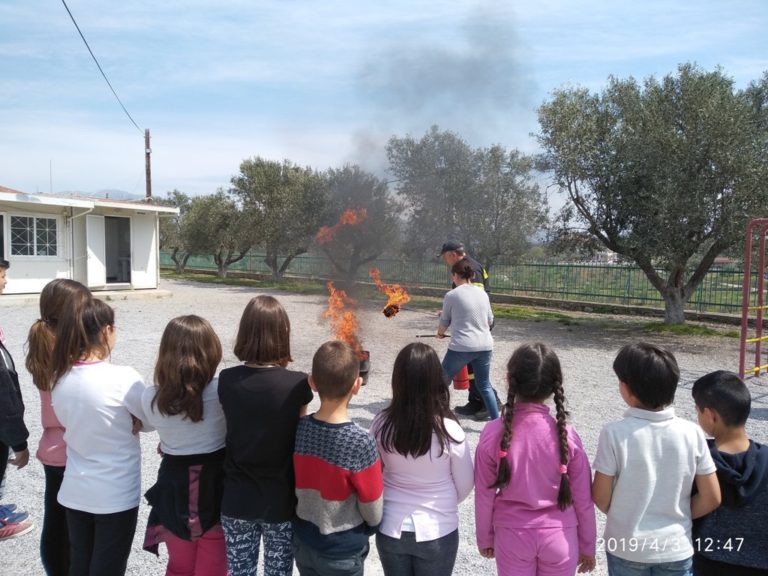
(761, 226)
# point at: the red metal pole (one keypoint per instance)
(745, 297)
(760, 299)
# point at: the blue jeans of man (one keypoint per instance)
(481, 364)
(620, 567)
(405, 557)
(311, 562)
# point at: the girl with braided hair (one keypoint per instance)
(533, 505)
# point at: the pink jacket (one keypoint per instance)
(52, 450)
(530, 498)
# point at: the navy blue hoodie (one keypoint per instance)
(737, 531)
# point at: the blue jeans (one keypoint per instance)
(481, 364)
(406, 557)
(620, 567)
(310, 562)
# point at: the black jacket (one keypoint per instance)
(13, 431)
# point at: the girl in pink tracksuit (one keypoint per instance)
(533, 502)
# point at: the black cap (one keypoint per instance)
(451, 246)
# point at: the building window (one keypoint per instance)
(32, 236)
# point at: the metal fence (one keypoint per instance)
(721, 290)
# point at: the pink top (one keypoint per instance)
(51, 450)
(425, 492)
(530, 498)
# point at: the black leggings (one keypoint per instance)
(54, 538)
(100, 543)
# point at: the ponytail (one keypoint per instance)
(40, 342)
(564, 496)
(503, 475)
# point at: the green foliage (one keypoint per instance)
(353, 246)
(217, 225)
(170, 227)
(484, 197)
(284, 204)
(666, 173)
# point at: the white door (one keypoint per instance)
(144, 250)
(95, 241)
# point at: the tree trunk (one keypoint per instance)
(674, 302)
(181, 263)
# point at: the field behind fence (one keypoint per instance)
(720, 292)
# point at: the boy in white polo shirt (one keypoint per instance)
(645, 469)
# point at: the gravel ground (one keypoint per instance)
(586, 350)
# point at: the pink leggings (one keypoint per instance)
(536, 552)
(206, 556)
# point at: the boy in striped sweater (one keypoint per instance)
(339, 486)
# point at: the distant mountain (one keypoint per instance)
(110, 194)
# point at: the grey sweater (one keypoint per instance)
(467, 312)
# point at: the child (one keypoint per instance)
(338, 472)
(733, 539)
(468, 314)
(533, 509)
(645, 468)
(262, 402)
(13, 431)
(427, 469)
(183, 406)
(57, 296)
(95, 402)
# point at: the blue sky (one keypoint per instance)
(320, 83)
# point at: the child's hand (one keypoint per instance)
(137, 424)
(486, 552)
(19, 459)
(586, 563)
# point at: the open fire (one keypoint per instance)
(396, 294)
(341, 312)
(350, 217)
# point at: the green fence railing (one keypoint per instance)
(721, 290)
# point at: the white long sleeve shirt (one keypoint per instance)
(425, 492)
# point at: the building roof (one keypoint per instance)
(11, 195)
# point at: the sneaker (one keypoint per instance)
(482, 415)
(469, 409)
(7, 515)
(13, 529)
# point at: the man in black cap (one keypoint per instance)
(451, 252)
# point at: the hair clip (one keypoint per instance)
(502, 453)
(563, 469)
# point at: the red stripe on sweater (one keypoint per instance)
(335, 483)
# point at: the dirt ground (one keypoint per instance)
(586, 348)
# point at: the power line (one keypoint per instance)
(99, 66)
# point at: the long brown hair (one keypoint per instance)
(80, 334)
(55, 297)
(534, 374)
(264, 334)
(420, 403)
(190, 352)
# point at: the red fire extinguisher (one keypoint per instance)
(461, 380)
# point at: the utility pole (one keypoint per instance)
(147, 152)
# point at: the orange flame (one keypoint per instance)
(350, 217)
(396, 294)
(341, 311)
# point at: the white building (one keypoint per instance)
(104, 244)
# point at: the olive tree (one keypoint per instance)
(284, 204)
(484, 197)
(665, 173)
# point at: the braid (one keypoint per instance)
(564, 497)
(502, 478)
